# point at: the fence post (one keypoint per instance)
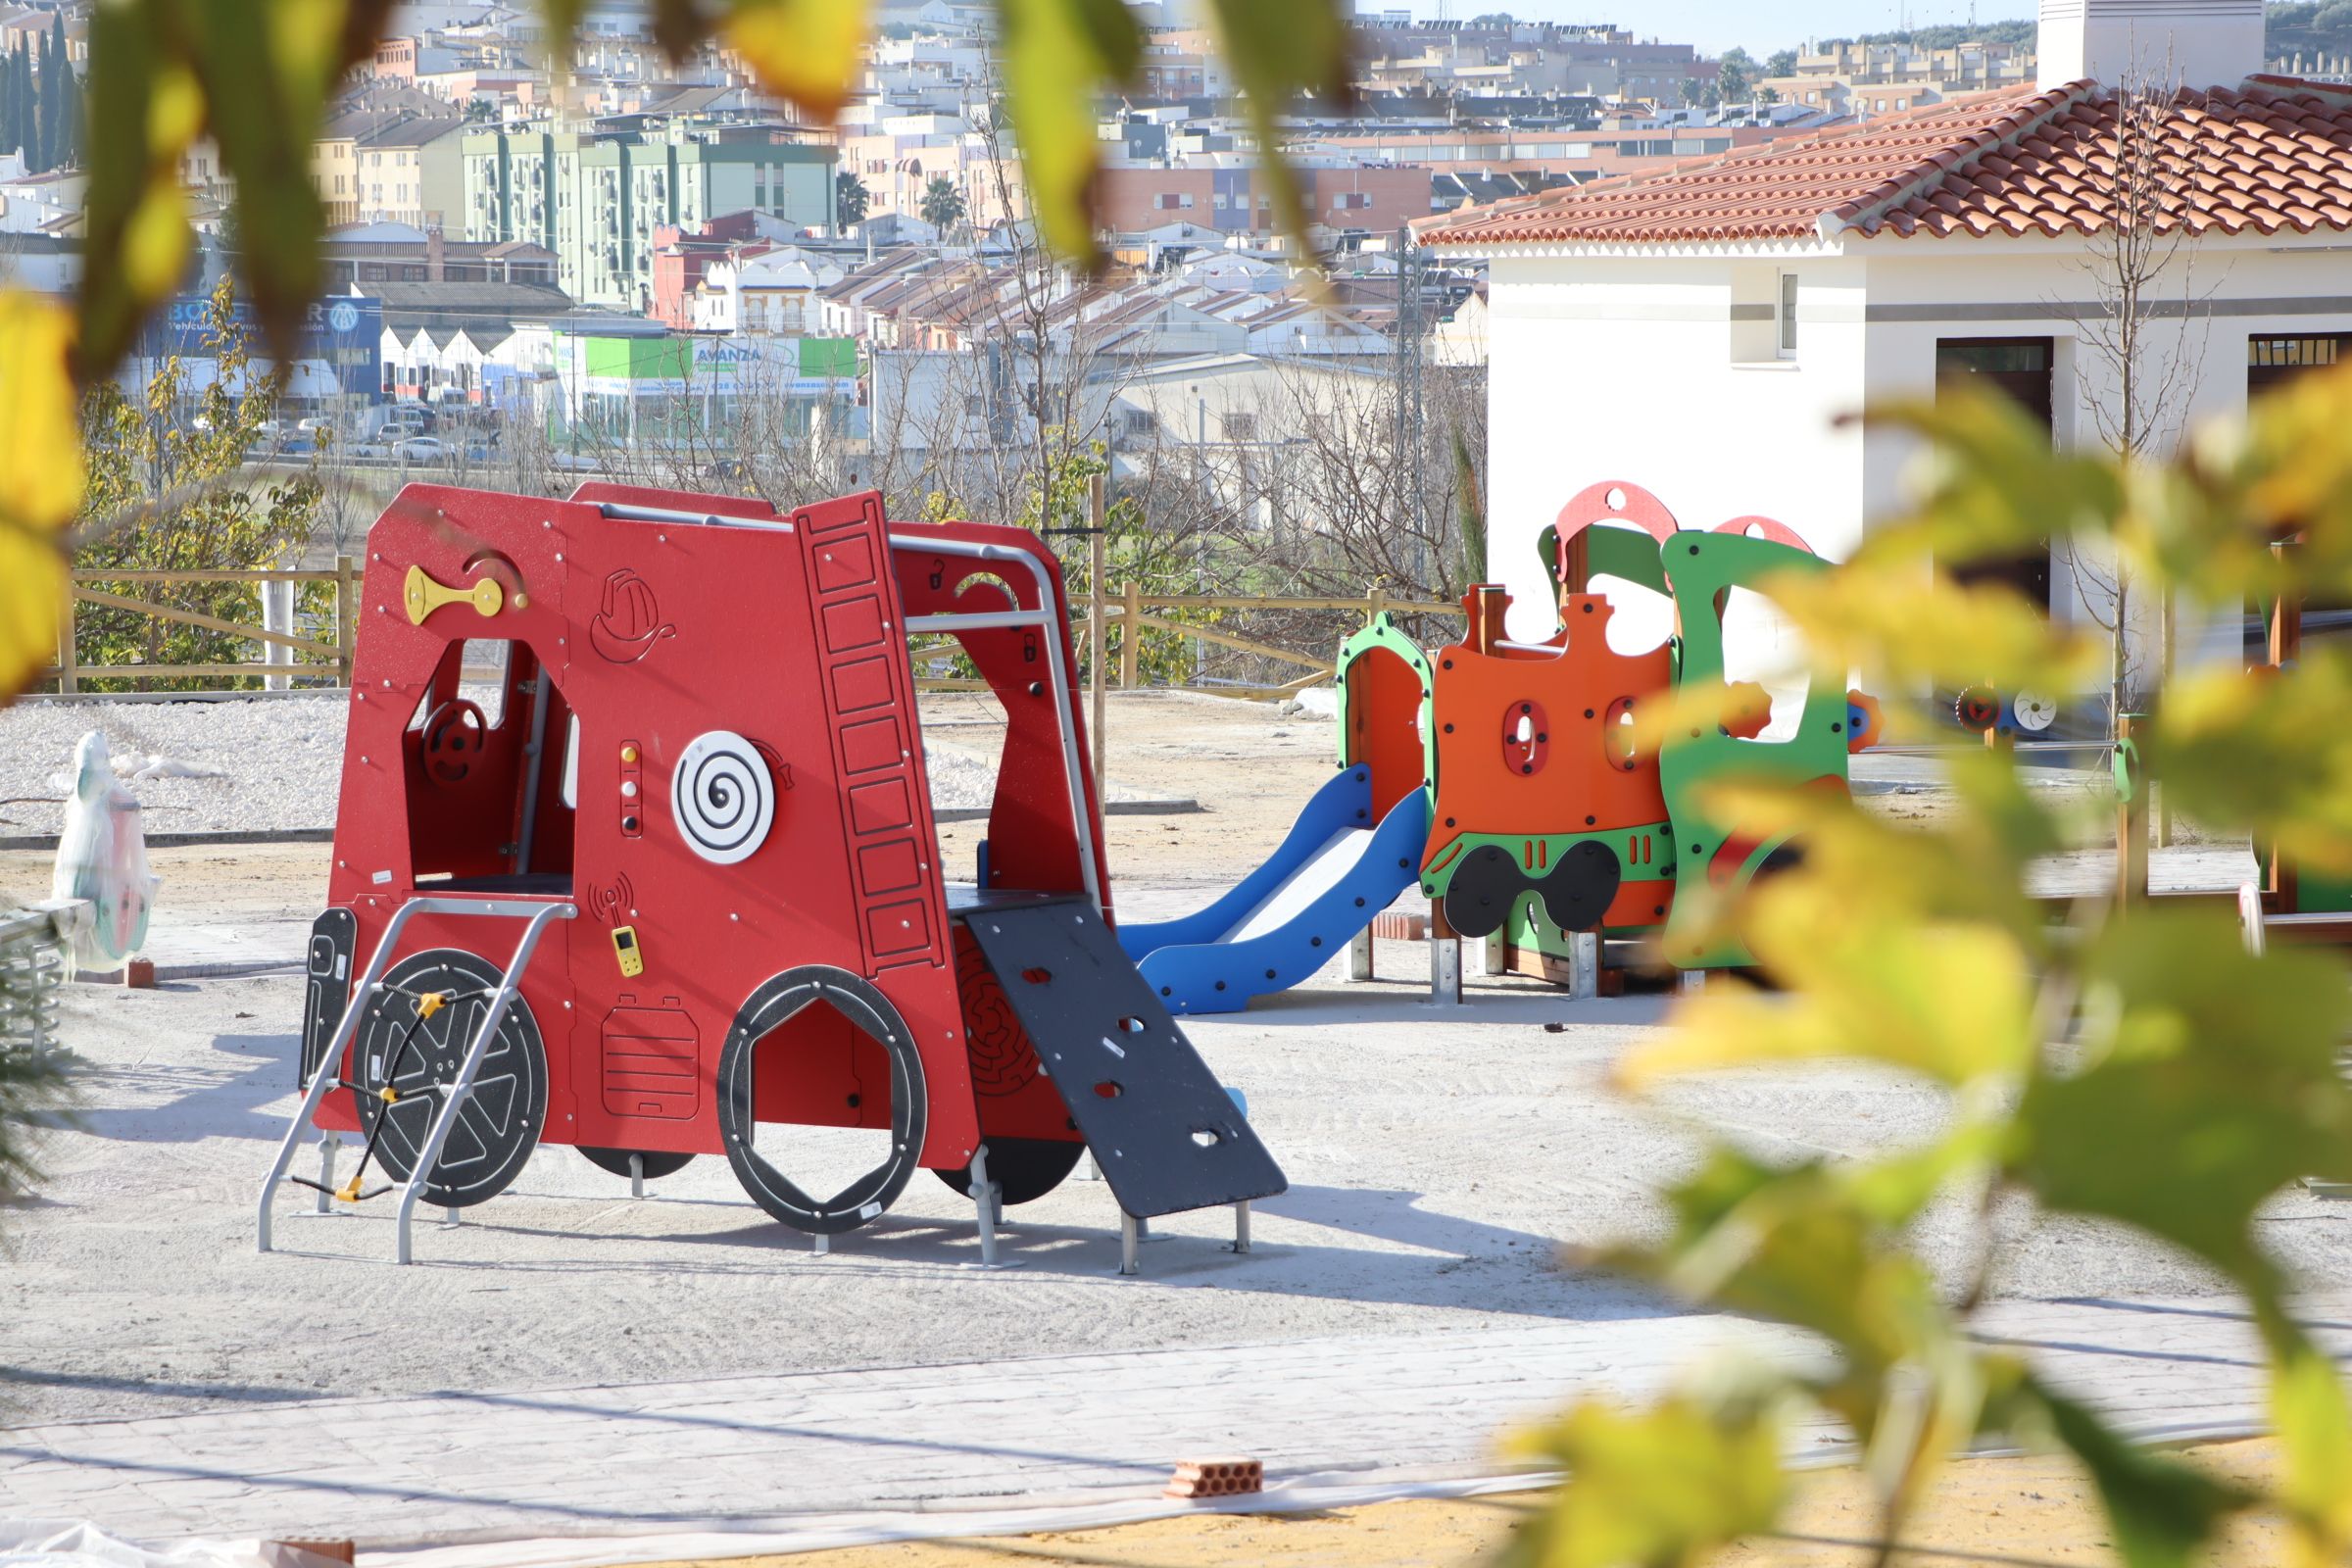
(1096, 624)
(277, 615)
(1131, 635)
(344, 621)
(68, 664)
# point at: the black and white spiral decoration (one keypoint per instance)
(723, 796)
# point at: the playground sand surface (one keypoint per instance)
(2022, 1510)
(1438, 1163)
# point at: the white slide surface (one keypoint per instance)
(1317, 876)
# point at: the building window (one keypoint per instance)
(2023, 368)
(2273, 361)
(1239, 427)
(1787, 315)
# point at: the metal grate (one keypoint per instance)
(33, 965)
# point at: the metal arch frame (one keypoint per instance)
(1065, 682)
(538, 914)
(1064, 679)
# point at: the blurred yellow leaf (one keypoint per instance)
(807, 50)
(1952, 1001)
(2271, 754)
(2315, 1434)
(1659, 1488)
(1997, 485)
(1902, 625)
(1277, 51)
(1058, 54)
(40, 452)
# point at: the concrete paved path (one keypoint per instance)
(1052, 1428)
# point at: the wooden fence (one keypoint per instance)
(328, 661)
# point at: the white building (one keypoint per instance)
(1699, 330)
(774, 292)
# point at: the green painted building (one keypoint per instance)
(658, 387)
(596, 198)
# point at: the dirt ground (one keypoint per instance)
(2016, 1512)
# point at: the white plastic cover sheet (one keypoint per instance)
(102, 857)
(76, 1543)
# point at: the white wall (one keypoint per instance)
(1620, 368)
(1922, 292)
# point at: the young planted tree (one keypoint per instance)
(2141, 340)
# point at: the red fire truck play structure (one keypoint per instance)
(683, 884)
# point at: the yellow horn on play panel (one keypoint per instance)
(423, 595)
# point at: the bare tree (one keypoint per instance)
(2140, 265)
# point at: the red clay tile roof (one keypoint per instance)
(2274, 154)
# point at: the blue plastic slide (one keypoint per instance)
(1285, 920)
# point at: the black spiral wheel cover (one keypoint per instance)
(855, 999)
(499, 1125)
(1581, 885)
(1484, 888)
(1024, 1169)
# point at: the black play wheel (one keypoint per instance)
(857, 1001)
(498, 1124)
(1485, 886)
(1581, 885)
(1024, 1169)
(656, 1162)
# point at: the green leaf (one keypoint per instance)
(2210, 1083)
(145, 109)
(1058, 54)
(1659, 1488)
(1276, 52)
(268, 71)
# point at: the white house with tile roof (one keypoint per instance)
(1700, 331)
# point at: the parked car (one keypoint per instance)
(420, 449)
(315, 424)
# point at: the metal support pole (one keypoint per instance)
(1445, 969)
(1359, 954)
(459, 1091)
(636, 1175)
(1693, 981)
(1241, 1226)
(1130, 1233)
(1583, 966)
(1096, 619)
(984, 1203)
(328, 1144)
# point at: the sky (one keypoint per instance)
(1759, 25)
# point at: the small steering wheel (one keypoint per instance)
(455, 734)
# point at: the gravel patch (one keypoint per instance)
(278, 761)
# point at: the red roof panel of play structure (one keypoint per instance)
(2273, 156)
